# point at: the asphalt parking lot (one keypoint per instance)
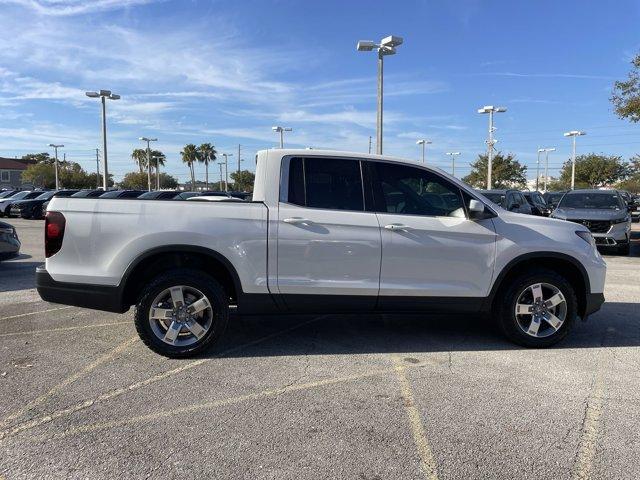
(362, 397)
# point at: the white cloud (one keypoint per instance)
(74, 7)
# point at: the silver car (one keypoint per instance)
(603, 212)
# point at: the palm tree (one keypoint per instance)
(139, 155)
(157, 157)
(190, 155)
(206, 154)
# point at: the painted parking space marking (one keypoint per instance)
(62, 329)
(34, 313)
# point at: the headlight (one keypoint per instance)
(587, 237)
(622, 220)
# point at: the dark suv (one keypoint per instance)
(538, 205)
(512, 200)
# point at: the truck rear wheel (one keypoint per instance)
(538, 309)
(181, 313)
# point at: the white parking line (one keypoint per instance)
(34, 313)
(61, 329)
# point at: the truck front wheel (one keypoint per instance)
(181, 313)
(537, 309)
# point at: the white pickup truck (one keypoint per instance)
(326, 232)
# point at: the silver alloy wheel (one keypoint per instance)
(541, 309)
(180, 315)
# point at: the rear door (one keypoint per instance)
(329, 246)
(430, 250)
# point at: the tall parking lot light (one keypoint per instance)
(55, 148)
(148, 140)
(387, 46)
(546, 164)
(281, 131)
(453, 161)
(226, 170)
(424, 143)
(103, 95)
(225, 186)
(490, 109)
(574, 134)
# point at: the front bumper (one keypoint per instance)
(619, 233)
(97, 297)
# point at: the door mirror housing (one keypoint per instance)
(476, 206)
(478, 210)
(515, 206)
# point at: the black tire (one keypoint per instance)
(624, 249)
(190, 278)
(505, 305)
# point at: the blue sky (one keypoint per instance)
(225, 72)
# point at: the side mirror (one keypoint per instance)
(476, 206)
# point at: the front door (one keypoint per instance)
(328, 246)
(430, 249)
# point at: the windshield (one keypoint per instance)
(591, 200)
(554, 198)
(19, 195)
(45, 195)
(497, 198)
(6, 194)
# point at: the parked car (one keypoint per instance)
(9, 241)
(552, 198)
(8, 193)
(88, 193)
(536, 202)
(167, 195)
(635, 208)
(603, 212)
(512, 200)
(5, 204)
(32, 208)
(344, 232)
(124, 194)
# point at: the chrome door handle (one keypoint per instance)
(296, 220)
(397, 227)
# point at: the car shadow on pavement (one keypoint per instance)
(17, 275)
(616, 325)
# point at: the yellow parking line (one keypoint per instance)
(69, 380)
(135, 386)
(427, 461)
(61, 329)
(34, 313)
(583, 468)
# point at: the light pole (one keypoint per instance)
(157, 158)
(574, 134)
(546, 164)
(453, 161)
(490, 109)
(220, 163)
(103, 95)
(424, 143)
(148, 140)
(540, 150)
(55, 148)
(387, 46)
(226, 170)
(281, 131)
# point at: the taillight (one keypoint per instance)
(53, 233)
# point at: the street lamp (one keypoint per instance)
(56, 147)
(225, 184)
(424, 143)
(281, 131)
(453, 162)
(226, 170)
(574, 134)
(490, 109)
(546, 165)
(103, 95)
(157, 159)
(387, 46)
(148, 140)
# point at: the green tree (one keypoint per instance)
(139, 156)
(507, 172)
(138, 181)
(70, 175)
(157, 158)
(206, 154)
(243, 180)
(626, 94)
(189, 156)
(43, 157)
(593, 171)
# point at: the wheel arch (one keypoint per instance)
(160, 259)
(561, 263)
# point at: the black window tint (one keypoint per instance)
(296, 182)
(413, 191)
(333, 183)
